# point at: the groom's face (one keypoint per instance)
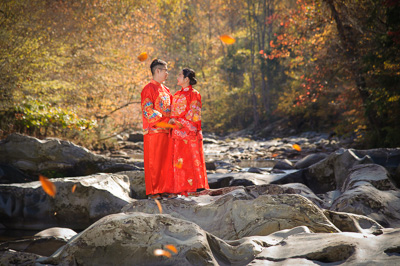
(163, 72)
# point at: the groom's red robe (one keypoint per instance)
(156, 107)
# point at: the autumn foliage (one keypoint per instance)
(75, 69)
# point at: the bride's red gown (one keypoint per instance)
(188, 155)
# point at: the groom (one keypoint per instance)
(156, 102)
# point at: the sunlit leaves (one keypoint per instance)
(227, 39)
(48, 186)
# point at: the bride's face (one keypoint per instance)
(182, 81)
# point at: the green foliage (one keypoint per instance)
(42, 119)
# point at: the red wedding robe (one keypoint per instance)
(188, 162)
(156, 107)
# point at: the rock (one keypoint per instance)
(396, 177)
(43, 246)
(256, 191)
(233, 216)
(9, 175)
(283, 165)
(135, 137)
(310, 160)
(386, 157)
(348, 222)
(137, 185)
(255, 170)
(330, 173)
(211, 166)
(374, 174)
(303, 190)
(218, 180)
(12, 257)
(368, 191)
(53, 157)
(340, 248)
(60, 232)
(130, 239)
(297, 176)
(210, 141)
(26, 206)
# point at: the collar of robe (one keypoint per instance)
(155, 82)
(187, 88)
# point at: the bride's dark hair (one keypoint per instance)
(189, 73)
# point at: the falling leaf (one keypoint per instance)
(48, 186)
(274, 155)
(143, 56)
(165, 125)
(227, 39)
(172, 248)
(161, 252)
(179, 163)
(158, 205)
(261, 51)
(296, 147)
(73, 188)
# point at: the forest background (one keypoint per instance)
(70, 69)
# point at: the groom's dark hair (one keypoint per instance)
(155, 64)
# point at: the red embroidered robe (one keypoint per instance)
(156, 107)
(188, 156)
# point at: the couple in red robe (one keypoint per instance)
(173, 143)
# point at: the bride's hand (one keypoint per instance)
(171, 121)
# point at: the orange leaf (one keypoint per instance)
(143, 56)
(48, 186)
(160, 252)
(165, 125)
(158, 205)
(73, 188)
(274, 155)
(225, 38)
(296, 147)
(172, 248)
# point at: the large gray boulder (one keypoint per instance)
(368, 191)
(310, 160)
(56, 157)
(330, 173)
(130, 239)
(26, 206)
(334, 249)
(236, 214)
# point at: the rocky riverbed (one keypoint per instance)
(318, 203)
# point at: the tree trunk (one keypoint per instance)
(347, 37)
(252, 78)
